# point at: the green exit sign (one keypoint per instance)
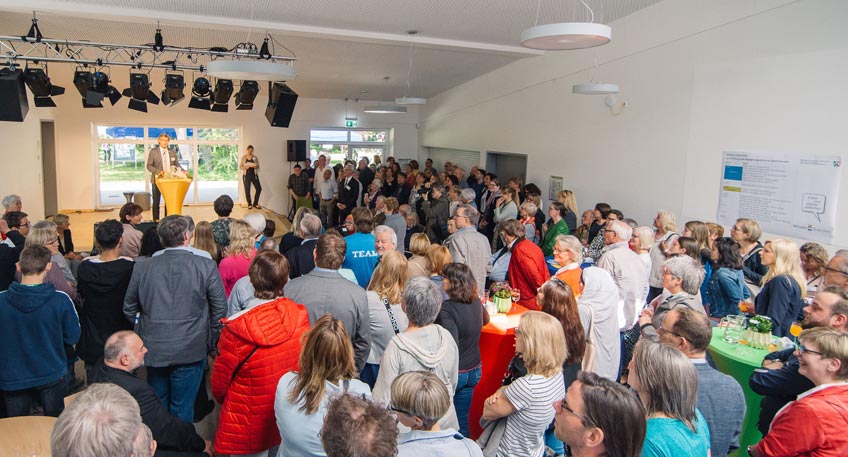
(350, 124)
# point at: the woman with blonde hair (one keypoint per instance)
(204, 240)
(567, 198)
(641, 242)
(437, 257)
(666, 234)
(387, 317)
(526, 402)
(747, 233)
(326, 370)
(667, 383)
(814, 259)
(418, 264)
(784, 285)
(239, 254)
(527, 217)
(420, 399)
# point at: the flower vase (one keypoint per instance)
(504, 304)
(763, 340)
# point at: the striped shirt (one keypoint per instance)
(533, 397)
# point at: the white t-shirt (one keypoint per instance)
(298, 430)
(533, 397)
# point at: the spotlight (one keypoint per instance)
(139, 92)
(200, 93)
(173, 91)
(41, 87)
(94, 87)
(222, 93)
(246, 95)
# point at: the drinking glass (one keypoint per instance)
(795, 329)
(516, 295)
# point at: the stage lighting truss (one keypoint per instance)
(35, 48)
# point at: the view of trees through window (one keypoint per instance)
(209, 154)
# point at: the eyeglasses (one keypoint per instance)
(51, 242)
(518, 331)
(803, 349)
(662, 330)
(564, 405)
(834, 270)
(402, 411)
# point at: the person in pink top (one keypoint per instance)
(814, 424)
(238, 255)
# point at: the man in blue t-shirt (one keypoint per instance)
(361, 257)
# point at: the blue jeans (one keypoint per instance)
(176, 386)
(462, 397)
(52, 396)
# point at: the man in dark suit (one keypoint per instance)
(124, 353)
(159, 159)
(177, 299)
(302, 258)
(348, 193)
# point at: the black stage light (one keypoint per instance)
(94, 87)
(246, 95)
(200, 93)
(221, 95)
(173, 91)
(139, 92)
(41, 87)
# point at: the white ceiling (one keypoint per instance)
(343, 47)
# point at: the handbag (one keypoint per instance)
(493, 433)
(589, 355)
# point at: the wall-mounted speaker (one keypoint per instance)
(14, 105)
(281, 101)
(296, 150)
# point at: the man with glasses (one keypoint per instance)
(470, 247)
(779, 380)
(600, 417)
(720, 397)
(836, 271)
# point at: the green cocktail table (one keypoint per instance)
(739, 361)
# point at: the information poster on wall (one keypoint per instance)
(789, 195)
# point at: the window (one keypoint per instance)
(347, 144)
(210, 154)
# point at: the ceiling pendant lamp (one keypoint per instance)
(566, 35)
(406, 99)
(594, 88)
(384, 109)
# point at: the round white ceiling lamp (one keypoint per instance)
(385, 109)
(594, 88)
(566, 35)
(410, 101)
(251, 70)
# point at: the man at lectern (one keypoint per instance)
(156, 160)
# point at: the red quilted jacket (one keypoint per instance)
(527, 271)
(246, 424)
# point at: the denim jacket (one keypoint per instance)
(726, 288)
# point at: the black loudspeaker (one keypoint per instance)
(14, 105)
(281, 101)
(297, 150)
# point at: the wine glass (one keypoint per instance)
(795, 329)
(516, 295)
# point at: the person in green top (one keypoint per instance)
(556, 227)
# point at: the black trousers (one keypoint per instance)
(252, 178)
(156, 197)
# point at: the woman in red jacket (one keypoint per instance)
(257, 347)
(527, 269)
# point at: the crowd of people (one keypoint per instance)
(358, 333)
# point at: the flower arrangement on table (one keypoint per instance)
(758, 331)
(501, 295)
(174, 173)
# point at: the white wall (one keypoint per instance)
(75, 148)
(699, 78)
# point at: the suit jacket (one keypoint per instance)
(301, 258)
(9, 257)
(349, 195)
(328, 292)
(169, 432)
(181, 301)
(154, 161)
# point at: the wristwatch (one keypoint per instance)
(749, 449)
